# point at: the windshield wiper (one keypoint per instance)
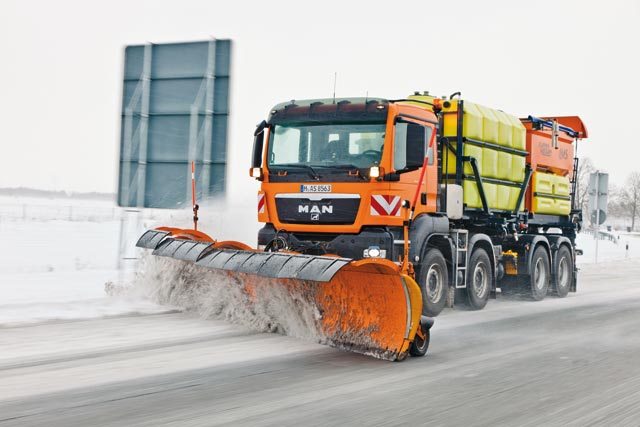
(351, 167)
(311, 171)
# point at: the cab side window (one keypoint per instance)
(411, 140)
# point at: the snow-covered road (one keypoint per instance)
(74, 356)
(566, 361)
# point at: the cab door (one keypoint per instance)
(414, 136)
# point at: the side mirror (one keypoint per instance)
(260, 128)
(409, 146)
(258, 144)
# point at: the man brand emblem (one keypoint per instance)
(315, 209)
(564, 153)
(545, 149)
(315, 217)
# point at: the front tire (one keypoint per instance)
(563, 272)
(479, 279)
(434, 282)
(539, 276)
(419, 346)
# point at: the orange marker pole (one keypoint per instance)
(405, 230)
(193, 196)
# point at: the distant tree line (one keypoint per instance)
(34, 192)
(624, 202)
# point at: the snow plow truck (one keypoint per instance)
(379, 213)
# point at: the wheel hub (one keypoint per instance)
(541, 275)
(480, 281)
(434, 283)
(563, 273)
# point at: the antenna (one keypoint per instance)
(335, 78)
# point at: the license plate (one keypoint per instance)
(315, 188)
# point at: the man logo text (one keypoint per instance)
(315, 209)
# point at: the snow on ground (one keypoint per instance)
(54, 266)
(607, 250)
(57, 269)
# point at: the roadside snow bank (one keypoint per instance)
(625, 246)
(57, 270)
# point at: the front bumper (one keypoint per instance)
(344, 245)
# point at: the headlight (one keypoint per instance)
(374, 252)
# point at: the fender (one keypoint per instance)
(480, 239)
(555, 243)
(426, 228)
(524, 266)
(423, 227)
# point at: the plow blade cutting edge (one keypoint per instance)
(366, 306)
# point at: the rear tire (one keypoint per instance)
(434, 282)
(563, 272)
(479, 279)
(419, 346)
(539, 276)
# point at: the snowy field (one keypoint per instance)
(53, 268)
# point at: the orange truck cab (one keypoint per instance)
(334, 174)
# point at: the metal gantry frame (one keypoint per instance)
(200, 133)
(203, 118)
(135, 141)
(140, 97)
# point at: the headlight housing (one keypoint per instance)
(374, 252)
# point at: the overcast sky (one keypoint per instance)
(61, 69)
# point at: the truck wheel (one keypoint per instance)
(563, 272)
(479, 279)
(434, 282)
(539, 278)
(419, 346)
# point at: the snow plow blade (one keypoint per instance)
(366, 306)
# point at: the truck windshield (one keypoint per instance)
(297, 147)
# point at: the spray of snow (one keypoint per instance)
(288, 309)
(216, 295)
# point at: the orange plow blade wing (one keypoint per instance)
(365, 306)
(369, 307)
